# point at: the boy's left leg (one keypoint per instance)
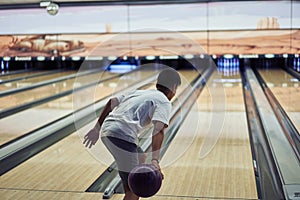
(127, 156)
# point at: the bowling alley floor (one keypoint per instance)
(55, 195)
(9, 194)
(210, 157)
(224, 171)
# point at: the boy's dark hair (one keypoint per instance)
(167, 79)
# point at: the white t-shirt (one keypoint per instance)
(135, 112)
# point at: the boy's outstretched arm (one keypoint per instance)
(157, 139)
(92, 136)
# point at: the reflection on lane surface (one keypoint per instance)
(21, 98)
(29, 120)
(23, 81)
(286, 89)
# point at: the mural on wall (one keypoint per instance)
(143, 44)
(268, 23)
(213, 28)
(44, 45)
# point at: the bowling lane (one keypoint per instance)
(19, 75)
(15, 194)
(21, 98)
(28, 120)
(65, 166)
(286, 90)
(42, 76)
(210, 157)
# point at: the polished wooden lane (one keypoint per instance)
(21, 98)
(226, 170)
(66, 166)
(49, 195)
(286, 89)
(42, 77)
(36, 117)
(8, 76)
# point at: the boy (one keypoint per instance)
(124, 117)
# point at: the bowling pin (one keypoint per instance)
(237, 66)
(225, 67)
(219, 65)
(234, 65)
(2, 65)
(295, 64)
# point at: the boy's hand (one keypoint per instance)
(91, 138)
(156, 164)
